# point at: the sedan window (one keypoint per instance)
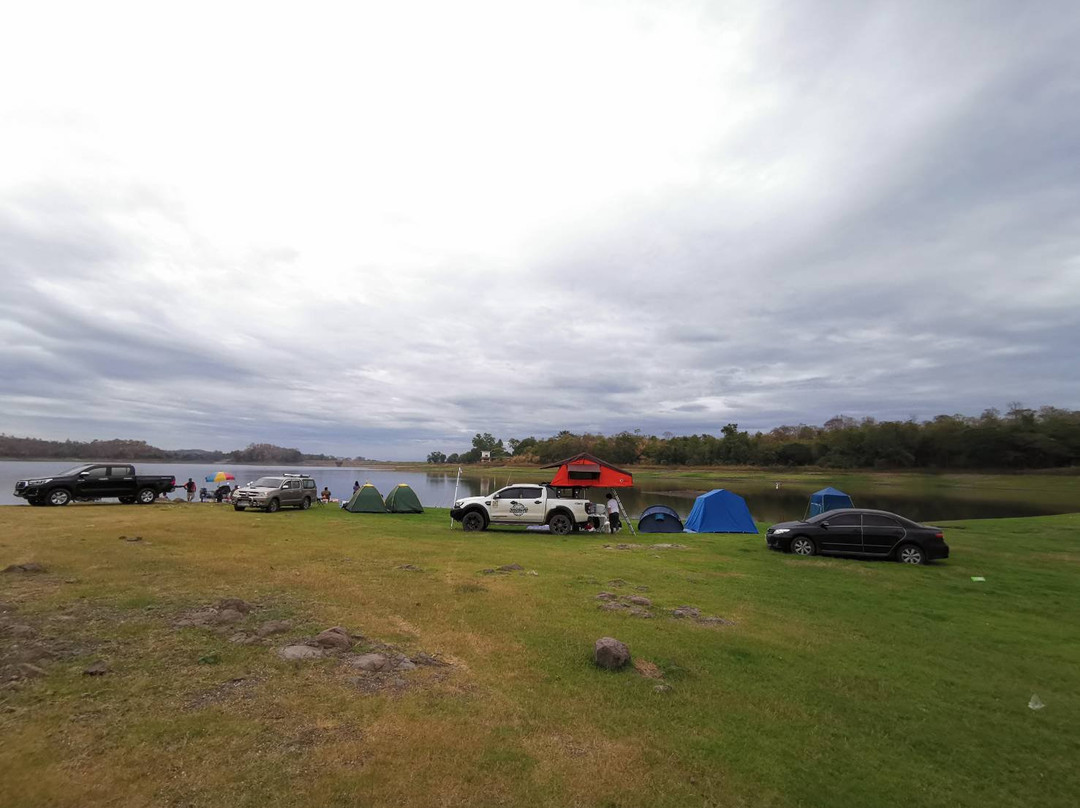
(874, 520)
(843, 520)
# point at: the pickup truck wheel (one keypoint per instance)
(473, 520)
(145, 496)
(560, 524)
(305, 504)
(273, 505)
(60, 496)
(127, 500)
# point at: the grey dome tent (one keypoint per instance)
(402, 499)
(367, 499)
(659, 519)
(826, 500)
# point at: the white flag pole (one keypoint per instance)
(457, 482)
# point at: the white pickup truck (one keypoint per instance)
(523, 504)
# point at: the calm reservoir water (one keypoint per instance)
(436, 490)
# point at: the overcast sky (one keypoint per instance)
(374, 228)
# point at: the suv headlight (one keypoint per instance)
(781, 530)
(39, 482)
(458, 503)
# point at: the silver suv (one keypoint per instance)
(272, 493)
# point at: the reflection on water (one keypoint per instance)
(436, 489)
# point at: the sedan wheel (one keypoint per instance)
(910, 554)
(803, 546)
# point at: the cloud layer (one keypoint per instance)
(380, 230)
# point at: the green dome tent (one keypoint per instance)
(366, 500)
(403, 499)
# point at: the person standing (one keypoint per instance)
(613, 512)
(190, 487)
(355, 486)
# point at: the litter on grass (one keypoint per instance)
(977, 578)
(1035, 703)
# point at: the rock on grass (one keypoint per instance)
(29, 566)
(336, 637)
(300, 652)
(611, 654)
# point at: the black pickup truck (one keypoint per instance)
(96, 481)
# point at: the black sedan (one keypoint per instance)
(860, 532)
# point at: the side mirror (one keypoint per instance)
(84, 473)
(824, 524)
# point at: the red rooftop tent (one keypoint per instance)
(587, 471)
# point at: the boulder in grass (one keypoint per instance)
(237, 604)
(337, 638)
(611, 654)
(273, 627)
(369, 662)
(227, 616)
(300, 652)
(29, 566)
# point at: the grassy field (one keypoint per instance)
(834, 682)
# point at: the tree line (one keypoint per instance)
(15, 448)
(1020, 438)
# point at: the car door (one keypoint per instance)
(290, 492)
(881, 533)
(309, 489)
(501, 504)
(93, 483)
(530, 502)
(842, 533)
(121, 481)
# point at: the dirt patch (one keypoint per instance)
(650, 670)
(693, 614)
(238, 688)
(30, 644)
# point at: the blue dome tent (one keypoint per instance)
(720, 511)
(659, 519)
(826, 500)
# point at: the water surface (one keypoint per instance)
(923, 502)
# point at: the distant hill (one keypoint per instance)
(15, 448)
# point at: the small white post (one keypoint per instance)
(457, 482)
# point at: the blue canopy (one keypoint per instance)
(659, 519)
(720, 511)
(827, 499)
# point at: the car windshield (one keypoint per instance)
(73, 471)
(267, 482)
